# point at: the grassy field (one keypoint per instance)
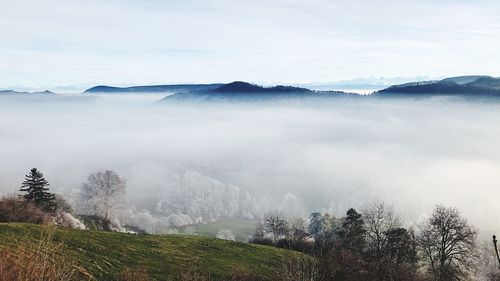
(241, 228)
(105, 254)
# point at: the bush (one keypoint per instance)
(303, 246)
(262, 241)
(225, 234)
(297, 268)
(61, 205)
(15, 209)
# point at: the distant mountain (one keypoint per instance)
(243, 91)
(11, 92)
(151, 89)
(462, 85)
(244, 87)
(43, 97)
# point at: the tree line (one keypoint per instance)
(374, 244)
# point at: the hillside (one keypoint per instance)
(243, 91)
(151, 89)
(11, 92)
(104, 254)
(462, 86)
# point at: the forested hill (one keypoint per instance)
(462, 85)
(151, 89)
(243, 91)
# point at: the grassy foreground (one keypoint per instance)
(105, 254)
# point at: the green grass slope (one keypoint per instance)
(105, 254)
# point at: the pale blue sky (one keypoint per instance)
(49, 43)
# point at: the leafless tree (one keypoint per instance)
(380, 220)
(276, 225)
(298, 229)
(103, 194)
(448, 245)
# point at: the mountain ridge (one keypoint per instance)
(150, 88)
(244, 91)
(471, 85)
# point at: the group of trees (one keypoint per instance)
(371, 244)
(102, 196)
(374, 245)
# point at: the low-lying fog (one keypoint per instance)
(202, 162)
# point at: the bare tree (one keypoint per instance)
(275, 224)
(103, 194)
(298, 229)
(448, 245)
(379, 220)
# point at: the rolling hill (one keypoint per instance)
(243, 91)
(460, 86)
(150, 89)
(105, 254)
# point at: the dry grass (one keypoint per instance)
(39, 259)
(136, 274)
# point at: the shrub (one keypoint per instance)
(296, 268)
(15, 209)
(61, 205)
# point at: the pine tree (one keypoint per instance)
(35, 186)
(353, 231)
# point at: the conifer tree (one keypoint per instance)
(353, 231)
(35, 186)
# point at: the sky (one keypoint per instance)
(70, 43)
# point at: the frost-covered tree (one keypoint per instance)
(103, 194)
(316, 225)
(322, 227)
(35, 186)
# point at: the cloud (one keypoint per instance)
(62, 43)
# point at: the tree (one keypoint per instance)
(352, 233)
(448, 245)
(400, 262)
(276, 225)
(259, 234)
(322, 228)
(316, 225)
(298, 229)
(379, 221)
(35, 186)
(103, 194)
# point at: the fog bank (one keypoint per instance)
(216, 160)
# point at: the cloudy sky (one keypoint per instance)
(55, 43)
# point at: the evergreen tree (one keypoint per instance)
(35, 186)
(353, 232)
